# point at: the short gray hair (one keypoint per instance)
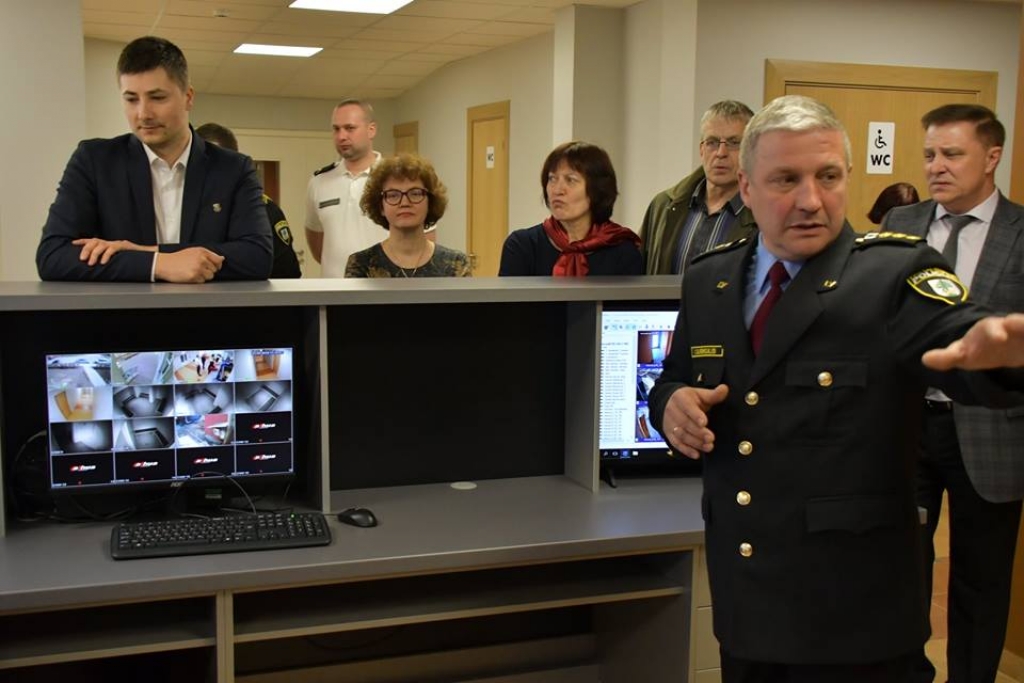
(792, 113)
(730, 110)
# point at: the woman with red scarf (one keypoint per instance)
(578, 238)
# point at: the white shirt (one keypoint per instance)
(968, 248)
(168, 190)
(332, 207)
(972, 236)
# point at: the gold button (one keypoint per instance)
(746, 550)
(743, 498)
(825, 379)
(745, 448)
(752, 398)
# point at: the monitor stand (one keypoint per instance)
(607, 473)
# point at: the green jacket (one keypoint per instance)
(665, 219)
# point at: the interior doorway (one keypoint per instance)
(487, 134)
(860, 94)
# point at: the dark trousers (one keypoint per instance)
(899, 670)
(982, 538)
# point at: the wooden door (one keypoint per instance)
(861, 94)
(487, 177)
(407, 138)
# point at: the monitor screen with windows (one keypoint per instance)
(155, 417)
(635, 339)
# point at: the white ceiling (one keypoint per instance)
(364, 55)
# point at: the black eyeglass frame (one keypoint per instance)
(397, 195)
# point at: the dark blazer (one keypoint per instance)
(107, 192)
(990, 440)
(821, 430)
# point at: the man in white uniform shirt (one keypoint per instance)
(335, 225)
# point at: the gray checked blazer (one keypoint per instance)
(991, 441)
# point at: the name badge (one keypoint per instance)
(707, 352)
(330, 202)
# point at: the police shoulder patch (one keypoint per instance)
(938, 284)
(871, 238)
(326, 168)
(283, 232)
(721, 248)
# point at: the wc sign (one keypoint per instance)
(881, 147)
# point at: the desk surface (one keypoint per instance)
(423, 529)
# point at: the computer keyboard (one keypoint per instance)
(201, 536)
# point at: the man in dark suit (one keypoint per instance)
(808, 418)
(158, 204)
(286, 262)
(968, 451)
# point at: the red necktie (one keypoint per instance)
(777, 275)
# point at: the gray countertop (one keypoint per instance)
(423, 529)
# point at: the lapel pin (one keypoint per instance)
(722, 284)
(216, 207)
(829, 284)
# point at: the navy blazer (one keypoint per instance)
(990, 440)
(107, 192)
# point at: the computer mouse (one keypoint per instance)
(358, 517)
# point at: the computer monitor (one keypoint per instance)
(635, 339)
(158, 417)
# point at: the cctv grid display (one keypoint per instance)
(163, 416)
(634, 344)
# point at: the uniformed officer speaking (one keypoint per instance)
(812, 533)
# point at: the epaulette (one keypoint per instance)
(326, 168)
(869, 238)
(721, 248)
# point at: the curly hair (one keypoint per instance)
(406, 167)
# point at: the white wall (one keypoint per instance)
(521, 73)
(42, 119)
(659, 109)
(736, 36)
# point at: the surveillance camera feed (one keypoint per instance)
(165, 416)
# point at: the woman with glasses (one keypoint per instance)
(578, 238)
(404, 196)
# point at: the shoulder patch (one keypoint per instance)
(284, 233)
(326, 168)
(721, 248)
(870, 238)
(938, 284)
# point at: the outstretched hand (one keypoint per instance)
(993, 342)
(685, 422)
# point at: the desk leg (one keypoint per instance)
(225, 638)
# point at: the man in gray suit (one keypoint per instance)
(972, 453)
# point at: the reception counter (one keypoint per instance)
(539, 573)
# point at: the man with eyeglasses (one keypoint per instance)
(704, 209)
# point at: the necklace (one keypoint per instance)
(405, 271)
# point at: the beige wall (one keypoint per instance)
(678, 56)
(520, 73)
(42, 119)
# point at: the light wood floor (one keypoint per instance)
(936, 647)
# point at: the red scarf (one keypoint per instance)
(573, 260)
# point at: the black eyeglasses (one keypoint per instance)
(731, 144)
(415, 196)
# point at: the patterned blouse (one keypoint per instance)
(373, 262)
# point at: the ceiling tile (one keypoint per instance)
(252, 11)
(449, 48)
(531, 15)
(510, 28)
(234, 26)
(481, 40)
(406, 67)
(454, 9)
(426, 25)
(401, 36)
